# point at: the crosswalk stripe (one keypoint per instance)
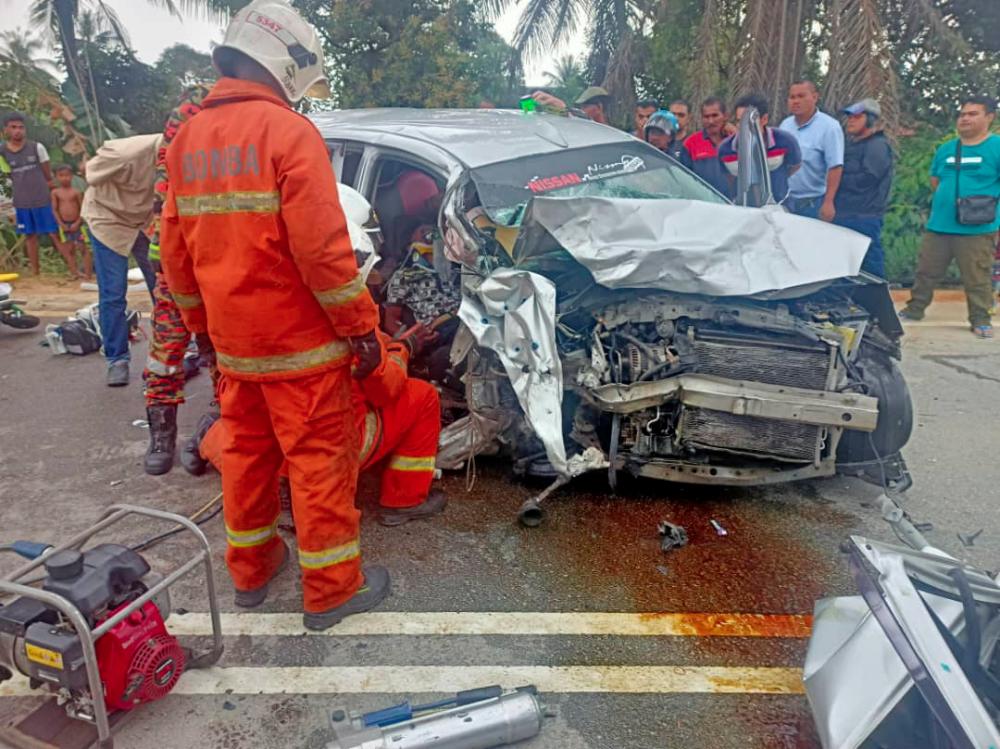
(449, 679)
(792, 626)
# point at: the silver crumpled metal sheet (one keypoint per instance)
(475, 434)
(693, 247)
(513, 313)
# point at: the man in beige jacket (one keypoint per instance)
(118, 207)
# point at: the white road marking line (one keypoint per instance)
(449, 679)
(505, 623)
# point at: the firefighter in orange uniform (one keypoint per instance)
(399, 418)
(255, 249)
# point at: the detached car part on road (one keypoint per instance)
(621, 315)
(910, 662)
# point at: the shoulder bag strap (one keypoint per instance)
(958, 169)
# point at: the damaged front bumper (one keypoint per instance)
(816, 407)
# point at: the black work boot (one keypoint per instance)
(191, 457)
(372, 592)
(162, 438)
(433, 505)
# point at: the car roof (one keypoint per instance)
(472, 137)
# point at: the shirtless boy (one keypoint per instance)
(66, 202)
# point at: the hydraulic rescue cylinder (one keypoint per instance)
(496, 721)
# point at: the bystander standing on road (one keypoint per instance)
(27, 163)
(640, 115)
(783, 155)
(965, 177)
(864, 189)
(682, 111)
(701, 149)
(117, 207)
(812, 190)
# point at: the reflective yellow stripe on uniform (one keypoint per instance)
(187, 301)
(370, 438)
(408, 463)
(255, 537)
(301, 360)
(341, 294)
(315, 560)
(229, 202)
(398, 360)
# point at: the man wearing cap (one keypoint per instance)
(812, 190)
(863, 196)
(593, 103)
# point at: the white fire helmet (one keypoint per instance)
(273, 34)
(362, 225)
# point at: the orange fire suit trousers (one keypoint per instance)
(406, 431)
(411, 425)
(309, 422)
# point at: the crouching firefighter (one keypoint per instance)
(256, 252)
(399, 420)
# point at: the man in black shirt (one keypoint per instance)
(863, 196)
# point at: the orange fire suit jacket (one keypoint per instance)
(254, 243)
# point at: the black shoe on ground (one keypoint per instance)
(118, 374)
(162, 438)
(191, 457)
(907, 314)
(251, 599)
(372, 592)
(433, 505)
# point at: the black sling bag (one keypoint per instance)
(973, 210)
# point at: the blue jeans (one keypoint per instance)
(871, 227)
(112, 285)
(808, 207)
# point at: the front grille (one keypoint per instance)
(749, 435)
(770, 363)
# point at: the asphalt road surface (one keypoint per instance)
(614, 632)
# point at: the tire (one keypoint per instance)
(895, 420)
(19, 320)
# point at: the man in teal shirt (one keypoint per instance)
(971, 245)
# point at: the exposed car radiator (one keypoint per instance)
(749, 435)
(768, 362)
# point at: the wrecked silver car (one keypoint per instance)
(619, 315)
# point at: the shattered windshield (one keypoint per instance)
(620, 170)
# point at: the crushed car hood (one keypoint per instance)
(689, 246)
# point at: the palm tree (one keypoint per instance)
(568, 72)
(24, 51)
(612, 28)
(60, 19)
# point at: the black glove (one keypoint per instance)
(367, 353)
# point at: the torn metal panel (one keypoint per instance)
(822, 408)
(867, 653)
(513, 312)
(691, 247)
